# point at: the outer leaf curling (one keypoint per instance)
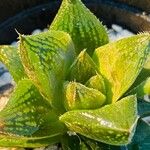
(22, 122)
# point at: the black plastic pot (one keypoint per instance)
(143, 5)
(28, 15)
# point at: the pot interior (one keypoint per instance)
(42, 15)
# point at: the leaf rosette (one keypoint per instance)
(75, 88)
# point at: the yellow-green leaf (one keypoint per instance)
(142, 89)
(147, 64)
(83, 68)
(85, 29)
(144, 74)
(78, 96)
(47, 58)
(28, 120)
(121, 62)
(97, 82)
(9, 55)
(112, 124)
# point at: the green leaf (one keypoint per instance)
(9, 55)
(47, 58)
(147, 64)
(71, 142)
(78, 96)
(121, 62)
(97, 82)
(142, 89)
(143, 108)
(144, 74)
(28, 120)
(83, 68)
(85, 29)
(94, 145)
(142, 82)
(112, 124)
(141, 140)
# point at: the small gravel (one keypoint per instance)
(117, 32)
(5, 78)
(36, 31)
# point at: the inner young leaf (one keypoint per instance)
(78, 96)
(82, 68)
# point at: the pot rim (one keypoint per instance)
(122, 14)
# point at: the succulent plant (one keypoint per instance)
(75, 88)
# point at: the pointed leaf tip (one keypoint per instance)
(78, 96)
(46, 58)
(82, 68)
(121, 62)
(112, 124)
(85, 29)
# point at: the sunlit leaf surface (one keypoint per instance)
(121, 62)
(112, 124)
(83, 68)
(97, 82)
(85, 29)
(78, 96)
(46, 58)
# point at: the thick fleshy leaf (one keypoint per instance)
(71, 142)
(143, 108)
(97, 82)
(121, 62)
(78, 142)
(83, 68)
(142, 89)
(144, 74)
(28, 120)
(47, 57)
(9, 55)
(147, 64)
(95, 145)
(78, 96)
(112, 124)
(141, 139)
(85, 29)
